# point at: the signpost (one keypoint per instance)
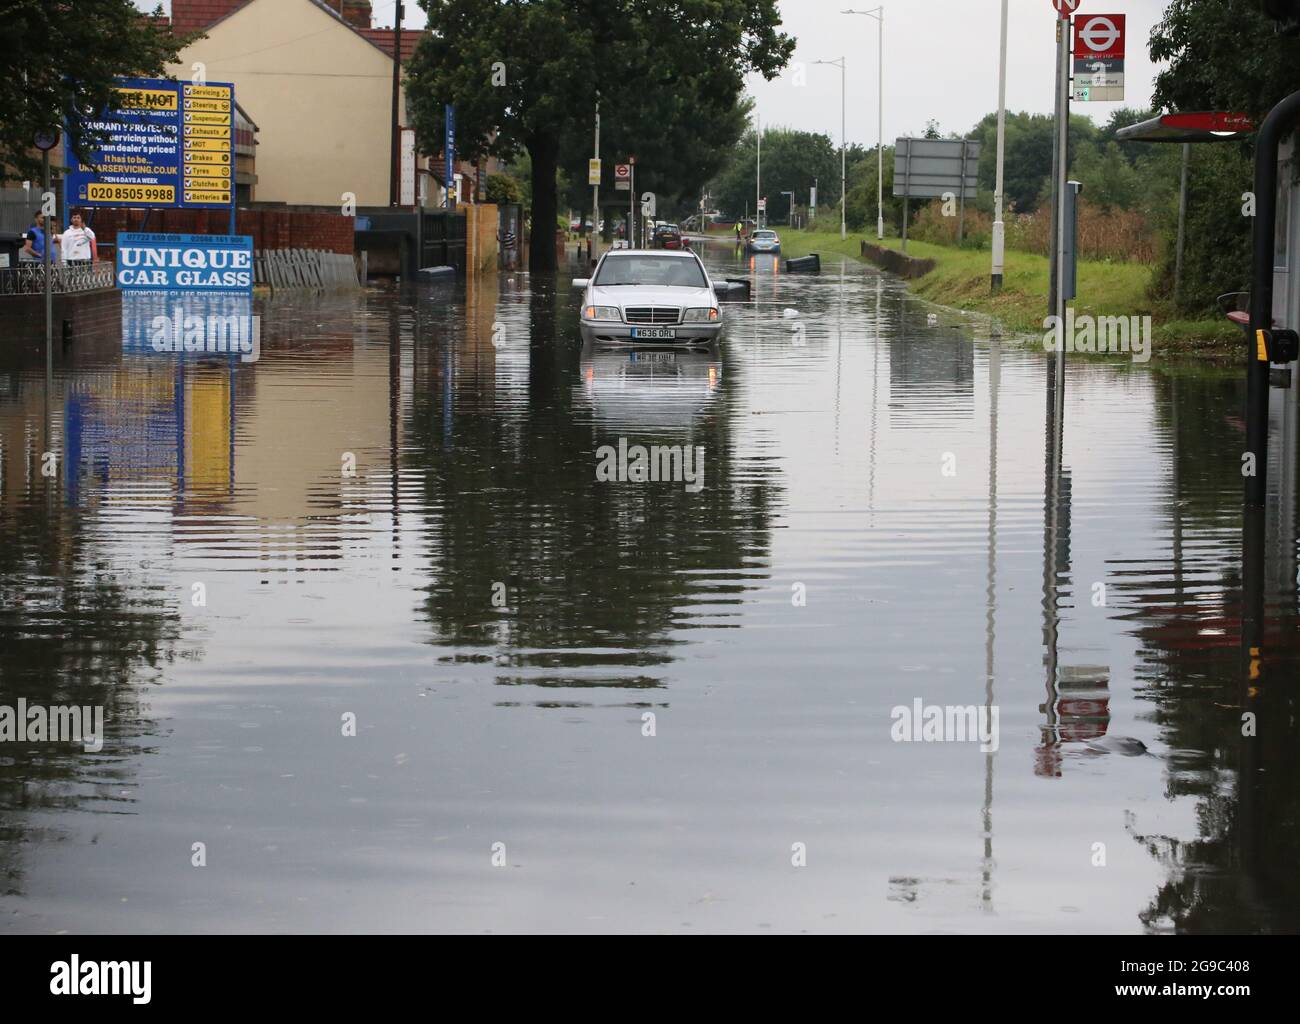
(622, 177)
(449, 146)
(631, 203)
(406, 179)
(46, 139)
(1099, 58)
(934, 169)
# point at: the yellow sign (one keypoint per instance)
(206, 197)
(207, 92)
(146, 99)
(593, 172)
(102, 193)
(192, 118)
(1261, 349)
(212, 145)
(207, 131)
(206, 158)
(213, 106)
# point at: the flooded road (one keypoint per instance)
(598, 706)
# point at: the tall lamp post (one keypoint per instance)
(999, 227)
(879, 14)
(839, 62)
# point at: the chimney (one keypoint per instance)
(356, 12)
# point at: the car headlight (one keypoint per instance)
(601, 313)
(695, 316)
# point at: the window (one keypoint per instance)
(655, 271)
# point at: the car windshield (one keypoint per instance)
(656, 271)
(764, 235)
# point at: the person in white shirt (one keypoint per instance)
(78, 244)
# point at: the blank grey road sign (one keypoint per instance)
(932, 168)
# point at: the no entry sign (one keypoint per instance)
(1099, 37)
(1065, 7)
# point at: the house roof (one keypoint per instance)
(383, 38)
(199, 15)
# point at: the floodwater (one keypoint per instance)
(392, 518)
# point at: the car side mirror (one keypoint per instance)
(581, 282)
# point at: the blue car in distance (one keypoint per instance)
(764, 241)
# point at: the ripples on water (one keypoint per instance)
(379, 594)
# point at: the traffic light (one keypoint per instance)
(1286, 13)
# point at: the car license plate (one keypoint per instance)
(654, 357)
(654, 333)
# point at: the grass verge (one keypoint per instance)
(961, 280)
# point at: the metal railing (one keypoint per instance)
(28, 278)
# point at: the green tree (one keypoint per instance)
(1222, 56)
(58, 63)
(1027, 167)
(793, 161)
(527, 75)
(502, 189)
(1217, 56)
(862, 203)
(1109, 179)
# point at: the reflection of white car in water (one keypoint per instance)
(655, 298)
(638, 388)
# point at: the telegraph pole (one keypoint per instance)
(394, 174)
(595, 192)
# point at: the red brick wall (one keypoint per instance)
(271, 229)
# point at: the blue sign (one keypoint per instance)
(449, 144)
(166, 145)
(194, 263)
(199, 324)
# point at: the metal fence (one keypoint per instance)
(305, 268)
(29, 278)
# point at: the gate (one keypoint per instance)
(442, 236)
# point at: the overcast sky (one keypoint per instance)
(941, 62)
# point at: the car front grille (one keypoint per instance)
(653, 316)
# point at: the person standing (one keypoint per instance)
(33, 250)
(78, 244)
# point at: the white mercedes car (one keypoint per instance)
(639, 297)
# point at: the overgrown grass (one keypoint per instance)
(961, 279)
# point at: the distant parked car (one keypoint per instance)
(667, 236)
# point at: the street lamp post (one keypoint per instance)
(999, 227)
(879, 14)
(790, 219)
(840, 63)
